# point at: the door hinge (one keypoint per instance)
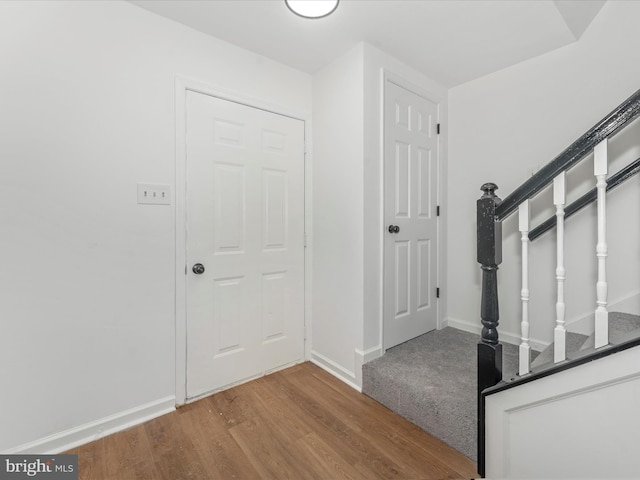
(438, 292)
(438, 129)
(305, 240)
(438, 211)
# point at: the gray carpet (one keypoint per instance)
(431, 381)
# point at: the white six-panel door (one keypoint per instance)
(410, 183)
(245, 225)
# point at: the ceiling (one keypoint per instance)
(450, 41)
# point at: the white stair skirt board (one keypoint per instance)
(560, 418)
(74, 437)
(336, 370)
(574, 441)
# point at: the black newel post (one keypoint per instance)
(489, 257)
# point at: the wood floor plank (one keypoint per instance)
(271, 458)
(91, 458)
(288, 423)
(219, 453)
(128, 455)
(173, 451)
(374, 462)
(301, 423)
(232, 405)
(327, 461)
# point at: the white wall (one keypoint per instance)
(508, 124)
(337, 289)
(86, 274)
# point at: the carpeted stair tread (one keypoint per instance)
(431, 381)
(620, 325)
(573, 341)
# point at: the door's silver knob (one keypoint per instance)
(198, 269)
(394, 229)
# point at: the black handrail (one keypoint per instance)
(612, 182)
(606, 128)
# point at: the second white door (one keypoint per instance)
(410, 196)
(245, 242)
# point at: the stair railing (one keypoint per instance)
(492, 211)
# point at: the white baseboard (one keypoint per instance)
(365, 356)
(74, 437)
(336, 370)
(462, 325)
(506, 337)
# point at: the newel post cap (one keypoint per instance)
(489, 189)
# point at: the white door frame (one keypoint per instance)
(182, 85)
(388, 76)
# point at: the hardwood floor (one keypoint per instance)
(300, 423)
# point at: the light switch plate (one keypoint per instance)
(154, 194)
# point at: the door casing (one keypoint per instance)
(182, 85)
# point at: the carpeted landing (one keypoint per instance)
(431, 381)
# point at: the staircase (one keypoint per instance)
(569, 410)
(430, 380)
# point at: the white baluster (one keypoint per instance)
(560, 332)
(525, 348)
(602, 316)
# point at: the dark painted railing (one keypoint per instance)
(612, 182)
(606, 128)
(491, 211)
